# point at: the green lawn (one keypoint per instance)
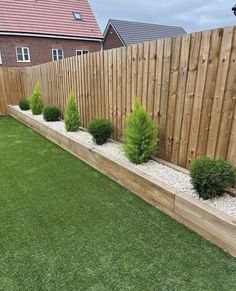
(64, 226)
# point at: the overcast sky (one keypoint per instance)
(193, 15)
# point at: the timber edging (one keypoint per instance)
(215, 226)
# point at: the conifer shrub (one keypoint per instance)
(24, 104)
(36, 102)
(71, 116)
(51, 113)
(210, 177)
(101, 129)
(140, 136)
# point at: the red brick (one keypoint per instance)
(111, 40)
(41, 49)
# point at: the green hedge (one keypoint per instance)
(51, 113)
(100, 129)
(211, 178)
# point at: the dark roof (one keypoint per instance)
(131, 32)
(54, 17)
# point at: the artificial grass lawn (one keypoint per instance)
(64, 226)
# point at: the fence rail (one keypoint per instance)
(188, 83)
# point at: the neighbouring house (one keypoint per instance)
(122, 33)
(33, 32)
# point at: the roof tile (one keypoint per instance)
(54, 17)
(137, 32)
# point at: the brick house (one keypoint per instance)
(122, 33)
(33, 32)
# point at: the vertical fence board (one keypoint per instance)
(174, 75)
(179, 106)
(164, 95)
(198, 97)
(195, 43)
(221, 78)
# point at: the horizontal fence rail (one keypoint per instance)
(188, 84)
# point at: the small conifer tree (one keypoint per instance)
(72, 116)
(36, 102)
(140, 136)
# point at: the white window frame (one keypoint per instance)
(23, 54)
(0, 58)
(57, 54)
(82, 52)
(78, 16)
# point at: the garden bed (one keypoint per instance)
(160, 185)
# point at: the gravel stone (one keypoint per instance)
(180, 181)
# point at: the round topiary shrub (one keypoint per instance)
(100, 129)
(140, 136)
(211, 178)
(24, 104)
(71, 116)
(36, 102)
(51, 113)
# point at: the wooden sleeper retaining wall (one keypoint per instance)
(210, 223)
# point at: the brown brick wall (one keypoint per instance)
(111, 40)
(40, 49)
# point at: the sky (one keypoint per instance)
(192, 15)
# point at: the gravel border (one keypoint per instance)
(163, 173)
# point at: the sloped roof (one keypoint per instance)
(131, 32)
(54, 17)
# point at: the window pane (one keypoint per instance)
(54, 53)
(60, 54)
(55, 58)
(77, 16)
(20, 57)
(78, 53)
(26, 57)
(19, 50)
(85, 52)
(25, 51)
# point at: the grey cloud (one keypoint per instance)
(193, 15)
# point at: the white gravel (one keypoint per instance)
(180, 181)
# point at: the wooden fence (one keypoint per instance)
(188, 83)
(10, 88)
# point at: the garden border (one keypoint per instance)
(215, 226)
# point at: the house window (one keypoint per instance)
(0, 58)
(77, 16)
(22, 54)
(57, 54)
(81, 52)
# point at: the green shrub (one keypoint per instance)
(36, 102)
(51, 113)
(24, 104)
(101, 129)
(210, 178)
(140, 136)
(72, 117)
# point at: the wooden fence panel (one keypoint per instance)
(187, 83)
(11, 90)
